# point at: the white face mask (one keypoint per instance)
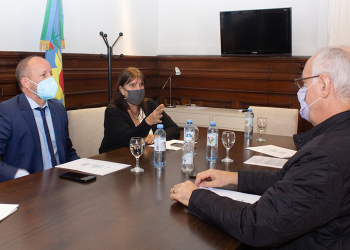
(46, 89)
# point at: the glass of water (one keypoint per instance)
(195, 137)
(228, 138)
(137, 146)
(262, 123)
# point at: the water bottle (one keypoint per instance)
(248, 129)
(212, 142)
(187, 165)
(159, 147)
(189, 131)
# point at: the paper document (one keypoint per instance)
(92, 166)
(274, 151)
(196, 108)
(7, 209)
(173, 145)
(234, 195)
(266, 161)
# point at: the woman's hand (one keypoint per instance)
(149, 139)
(155, 116)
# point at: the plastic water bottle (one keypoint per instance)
(187, 165)
(189, 131)
(249, 118)
(159, 159)
(212, 142)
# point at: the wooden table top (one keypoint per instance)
(121, 210)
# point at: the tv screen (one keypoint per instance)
(256, 32)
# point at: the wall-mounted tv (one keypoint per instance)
(265, 32)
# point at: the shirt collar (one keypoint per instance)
(33, 104)
(335, 122)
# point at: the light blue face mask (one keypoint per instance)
(46, 89)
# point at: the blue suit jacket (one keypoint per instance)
(19, 137)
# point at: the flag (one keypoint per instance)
(52, 41)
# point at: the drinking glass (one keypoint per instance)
(137, 146)
(262, 123)
(228, 138)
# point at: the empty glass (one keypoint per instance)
(228, 138)
(137, 146)
(262, 123)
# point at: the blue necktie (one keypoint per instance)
(48, 137)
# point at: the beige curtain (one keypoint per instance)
(339, 25)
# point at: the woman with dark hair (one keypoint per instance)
(131, 115)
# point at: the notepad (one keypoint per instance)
(266, 161)
(92, 166)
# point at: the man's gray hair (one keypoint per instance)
(335, 63)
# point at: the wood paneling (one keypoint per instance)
(226, 82)
(86, 77)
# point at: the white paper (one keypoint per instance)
(92, 166)
(266, 161)
(237, 196)
(168, 145)
(196, 108)
(274, 151)
(7, 209)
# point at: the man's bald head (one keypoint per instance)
(23, 69)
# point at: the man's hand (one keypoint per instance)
(182, 192)
(155, 116)
(216, 178)
(210, 178)
(149, 139)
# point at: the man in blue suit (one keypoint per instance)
(33, 129)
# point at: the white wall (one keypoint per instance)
(190, 28)
(152, 27)
(21, 24)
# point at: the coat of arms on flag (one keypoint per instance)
(52, 41)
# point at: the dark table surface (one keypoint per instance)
(121, 210)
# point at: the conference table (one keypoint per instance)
(121, 210)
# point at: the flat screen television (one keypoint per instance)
(265, 32)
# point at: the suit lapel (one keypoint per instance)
(28, 115)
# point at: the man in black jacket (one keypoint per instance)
(306, 205)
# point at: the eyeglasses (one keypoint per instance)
(299, 82)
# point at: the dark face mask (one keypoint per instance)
(135, 97)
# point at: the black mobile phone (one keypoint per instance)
(78, 177)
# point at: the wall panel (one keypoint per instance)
(226, 82)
